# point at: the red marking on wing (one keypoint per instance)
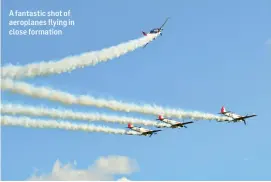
(144, 33)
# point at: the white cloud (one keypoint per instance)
(104, 169)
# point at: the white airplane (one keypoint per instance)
(155, 31)
(174, 124)
(235, 117)
(142, 131)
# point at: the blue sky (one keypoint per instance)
(212, 53)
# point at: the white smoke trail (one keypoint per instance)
(15, 109)
(73, 62)
(34, 123)
(66, 98)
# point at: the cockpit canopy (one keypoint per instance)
(155, 30)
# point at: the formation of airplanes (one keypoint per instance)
(177, 124)
(233, 117)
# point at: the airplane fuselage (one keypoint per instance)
(174, 124)
(171, 122)
(140, 130)
(156, 31)
(232, 115)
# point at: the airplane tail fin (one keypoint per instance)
(130, 125)
(222, 110)
(144, 33)
(160, 117)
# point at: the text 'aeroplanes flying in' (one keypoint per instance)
(155, 31)
(235, 117)
(174, 124)
(142, 131)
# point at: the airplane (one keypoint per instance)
(174, 124)
(155, 31)
(235, 117)
(142, 131)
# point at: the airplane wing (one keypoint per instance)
(145, 45)
(244, 117)
(164, 23)
(148, 43)
(150, 132)
(188, 122)
(182, 124)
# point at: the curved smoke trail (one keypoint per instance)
(34, 123)
(15, 109)
(66, 98)
(73, 62)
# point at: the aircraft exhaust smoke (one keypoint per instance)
(73, 62)
(43, 124)
(66, 98)
(15, 109)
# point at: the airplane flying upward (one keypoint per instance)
(142, 131)
(174, 124)
(155, 31)
(235, 117)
